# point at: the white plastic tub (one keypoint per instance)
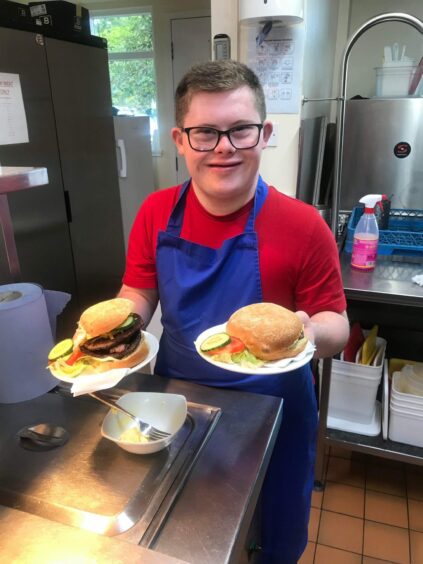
(394, 81)
(353, 388)
(405, 427)
(400, 391)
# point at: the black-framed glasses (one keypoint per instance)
(245, 136)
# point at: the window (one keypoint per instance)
(129, 37)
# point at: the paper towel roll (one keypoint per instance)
(25, 341)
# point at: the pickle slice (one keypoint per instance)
(215, 342)
(61, 349)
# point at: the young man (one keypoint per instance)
(223, 240)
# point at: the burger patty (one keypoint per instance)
(118, 343)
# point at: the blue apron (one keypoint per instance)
(200, 287)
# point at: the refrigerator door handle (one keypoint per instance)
(120, 145)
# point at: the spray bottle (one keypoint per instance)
(366, 236)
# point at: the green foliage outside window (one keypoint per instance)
(132, 77)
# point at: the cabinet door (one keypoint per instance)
(80, 88)
(38, 214)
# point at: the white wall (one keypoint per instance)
(280, 164)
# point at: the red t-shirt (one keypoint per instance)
(298, 256)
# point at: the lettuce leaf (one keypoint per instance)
(243, 358)
(247, 359)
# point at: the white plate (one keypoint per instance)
(273, 367)
(153, 346)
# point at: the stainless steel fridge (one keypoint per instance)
(69, 233)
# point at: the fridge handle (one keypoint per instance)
(120, 145)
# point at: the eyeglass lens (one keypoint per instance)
(207, 138)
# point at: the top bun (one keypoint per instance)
(105, 316)
(269, 331)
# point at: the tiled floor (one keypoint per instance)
(371, 512)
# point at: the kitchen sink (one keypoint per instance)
(90, 482)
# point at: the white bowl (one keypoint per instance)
(167, 412)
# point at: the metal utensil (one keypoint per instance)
(44, 435)
(150, 432)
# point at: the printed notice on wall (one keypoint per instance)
(13, 126)
(276, 56)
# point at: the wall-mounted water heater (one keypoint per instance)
(285, 11)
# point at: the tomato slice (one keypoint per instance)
(235, 346)
(74, 357)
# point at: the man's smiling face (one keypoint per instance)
(225, 178)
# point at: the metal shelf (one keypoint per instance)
(377, 446)
(390, 283)
(14, 179)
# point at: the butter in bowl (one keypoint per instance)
(166, 412)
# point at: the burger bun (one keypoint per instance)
(269, 331)
(92, 365)
(105, 316)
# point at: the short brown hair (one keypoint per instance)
(216, 76)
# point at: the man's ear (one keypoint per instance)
(177, 136)
(267, 131)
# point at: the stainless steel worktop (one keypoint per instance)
(390, 282)
(209, 520)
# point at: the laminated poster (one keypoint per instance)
(13, 126)
(276, 56)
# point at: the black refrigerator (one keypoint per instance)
(69, 233)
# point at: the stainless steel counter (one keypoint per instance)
(209, 520)
(390, 282)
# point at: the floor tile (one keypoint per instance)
(340, 452)
(414, 468)
(341, 531)
(345, 471)
(316, 499)
(313, 524)
(385, 508)
(415, 485)
(326, 554)
(385, 462)
(416, 542)
(385, 479)
(342, 498)
(415, 511)
(386, 542)
(308, 555)
(370, 560)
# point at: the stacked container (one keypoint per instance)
(354, 387)
(406, 406)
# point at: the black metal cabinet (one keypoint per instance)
(69, 234)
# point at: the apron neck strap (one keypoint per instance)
(174, 225)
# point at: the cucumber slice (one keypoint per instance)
(127, 323)
(61, 349)
(215, 342)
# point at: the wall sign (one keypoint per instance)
(276, 56)
(13, 126)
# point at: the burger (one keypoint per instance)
(257, 333)
(108, 336)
